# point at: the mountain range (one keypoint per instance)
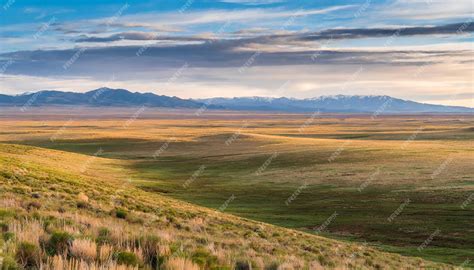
(124, 98)
(99, 97)
(337, 103)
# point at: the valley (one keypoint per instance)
(390, 182)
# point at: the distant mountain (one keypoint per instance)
(124, 98)
(98, 97)
(338, 103)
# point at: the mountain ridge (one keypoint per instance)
(335, 103)
(108, 97)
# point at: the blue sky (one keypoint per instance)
(414, 49)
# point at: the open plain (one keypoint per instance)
(399, 183)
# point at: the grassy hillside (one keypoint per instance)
(62, 210)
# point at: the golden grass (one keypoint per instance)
(84, 249)
(178, 263)
(29, 230)
(62, 263)
(82, 197)
(105, 253)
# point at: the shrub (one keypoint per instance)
(59, 243)
(103, 236)
(28, 255)
(3, 227)
(33, 205)
(127, 258)
(121, 213)
(150, 246)
(272, 266)
(242, 265)
(8, 236)
(6, 213)
(204, 259)
(83, 205)
(325, 261)
(9, 264)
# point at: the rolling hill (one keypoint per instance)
(58, 215)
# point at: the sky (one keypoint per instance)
(420, 50)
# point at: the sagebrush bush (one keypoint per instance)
(3, 227)
(151, 250)
(103, 236)
(28, 255)
(204, 259)
(34, 205)
(9, 263)
(242, 265)
(82, 205)
(127, 258)
(59, 243)
(121, 213)
(272, 266)
(8, 236)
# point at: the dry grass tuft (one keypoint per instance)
(178, 263)
(82, 197)
(61, 263)
(164, 250)
(84, 249)
(105, 253)
(27, 231)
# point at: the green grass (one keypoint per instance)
(362, 216)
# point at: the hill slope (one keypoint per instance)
(60, 209)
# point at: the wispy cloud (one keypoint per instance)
(428, 9)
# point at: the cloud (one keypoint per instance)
(241, 16)
(428, 9)
(136, 36)
(254, 39)
(147, 51)
(132, 60)
(449, 29)
(151, 26)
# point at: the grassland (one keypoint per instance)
(394, 183)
